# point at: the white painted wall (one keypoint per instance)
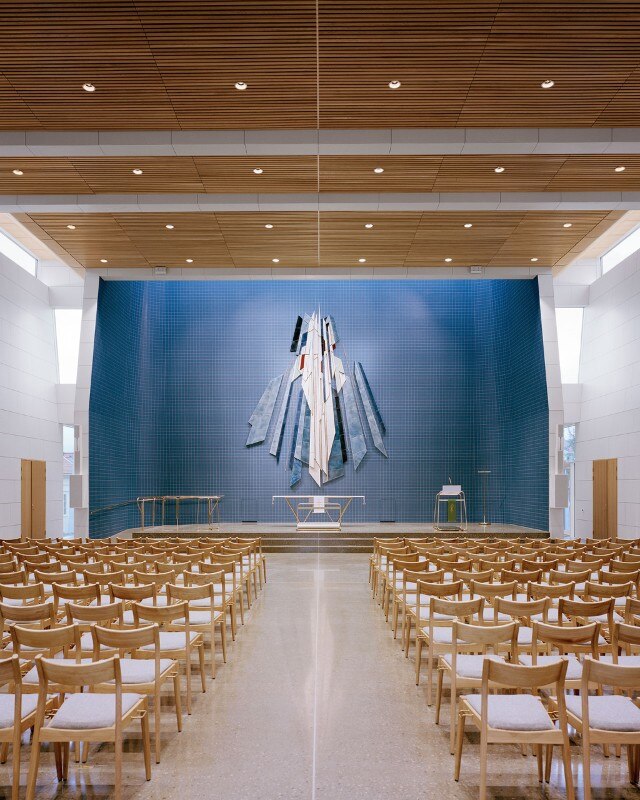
(29, 426)
(609, 425)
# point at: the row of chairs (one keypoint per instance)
(92, 632)
(537, 626)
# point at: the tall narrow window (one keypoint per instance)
(68, 322)
(68, 456)
(569, 456)
(569, 322)
(622, 250)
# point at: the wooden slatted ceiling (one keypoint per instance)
(293, 174)
(162, 65)
(396, 240)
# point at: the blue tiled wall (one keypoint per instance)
(457, 368)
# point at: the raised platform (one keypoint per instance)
(353, 538)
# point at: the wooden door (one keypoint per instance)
(605, 498)
(33, 496)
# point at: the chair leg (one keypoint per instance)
(394, 624)
(233, 621)
(586, 766)
(85, 752)
(454, 717)
(156, 714)
(459, 740)
(264, 568)
(418, 657)
(57, 752)
(538, 749)
(203, 677)
(34, 763)
(548, 762)
(223, 638)
(439, 695)
(188, 676)
(66, 746)
(118, 768)
(241, 596)
(4, 752)
(77, 751)
(566, 760)
(177, 699)
(483, 768)
(17, 746)
(429, 674)
(144, 722)
(213, 652)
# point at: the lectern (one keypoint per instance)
(452, 498)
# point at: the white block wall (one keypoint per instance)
(29, 426)
(609, 424)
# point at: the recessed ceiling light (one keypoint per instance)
(241, 86)
(189, 261)
(378, 170)
(567, 224)
(448, 260)
(88, 87)
(619, 169)
(137, 171)
(362, 260)
(499, 169)
(368, 225)
(18, 172)
(548, 84)
(268, 225)
(71, 227)
(468, 224)
(103, 261)
(276, 260)
(534, 259)
(394, 84)
(258, 171)
(169, 227)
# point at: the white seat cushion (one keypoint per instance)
(161, 600)
(624, 661)
(515, 712)
(552, 616)
(7, 707)
(86, 643)
(137, 670)
(525, 635)
(32, 678)
(489, 615)
(608, 713)
(84, 711)
(574, 670)
(470, 666)
(172, 640)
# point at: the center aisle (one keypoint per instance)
(318, 702)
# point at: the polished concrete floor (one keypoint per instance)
(316, 701)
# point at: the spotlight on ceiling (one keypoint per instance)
(499, 169)
(567, 224)
(534, 259)
(268, 226)
(169, 226)
(394, 84)
(88, 87)
(448, 260)
(378, 170)
(103, 261)
(468, 224)
(71, 227)
(240, 86)
(18, 172)
(619, 169)
(276, 260)
(548, 84)
(362, 260)
(189, 260)
(137, 171)
(258, 171)
(368, 225)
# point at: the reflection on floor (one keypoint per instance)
(316, 702)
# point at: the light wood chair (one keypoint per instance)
(438, 636)
(604, 718)
(177, 640)
(17, 715)
(203, 618)
(139, 673)
(464, 670)
(569, 642)
(516, 718)
(20, 594)
(431, 585)
(85, 716)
